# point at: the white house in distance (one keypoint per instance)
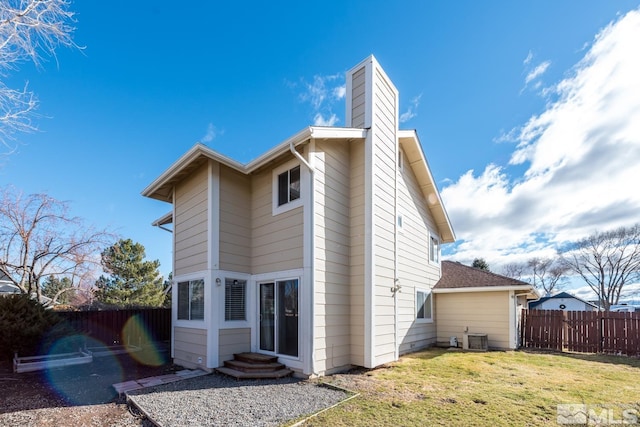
(563, 301)
(323, 251)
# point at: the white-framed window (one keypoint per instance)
(434, 249)
(400, 222)
(424, 305)
(400, 159)
(191, 300)
(235, 300)
(287, 186)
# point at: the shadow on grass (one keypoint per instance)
(590, 357)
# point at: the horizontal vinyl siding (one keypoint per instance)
(480, 312)
(276, 240)
(191, 216)
(232, 341)
(414, 269)
(189, 344)
(235, 221)
(384, 159)
(332, 277)
(356, 252)
(358, 99)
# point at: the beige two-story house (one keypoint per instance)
(323, 251)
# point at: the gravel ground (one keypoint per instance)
(218, 400)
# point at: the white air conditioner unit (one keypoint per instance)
(477, 342)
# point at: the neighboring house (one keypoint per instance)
(563, 301)
(323, 251)
(474, 301)
(7, 287)
(625, 308)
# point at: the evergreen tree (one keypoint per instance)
(55, 289)
(481, 264)
(133, 282)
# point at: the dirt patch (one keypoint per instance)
(75, 395)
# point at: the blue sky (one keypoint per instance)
(506, 98)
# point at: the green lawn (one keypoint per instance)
(455, 388)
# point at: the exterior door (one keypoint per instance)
(279, 317)
(267, 317)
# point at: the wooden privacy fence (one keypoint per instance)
(581, 331)
(122, 327)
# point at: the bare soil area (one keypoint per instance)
(80, 395)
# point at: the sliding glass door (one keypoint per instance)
(279, 317)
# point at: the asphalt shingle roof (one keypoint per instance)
(456, 275)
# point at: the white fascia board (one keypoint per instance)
(482, 289)
(194, 152)
(164, 219)
(200, 149)
(316, 132)
(412, 137)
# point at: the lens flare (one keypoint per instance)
(136, 333)
(75, 383)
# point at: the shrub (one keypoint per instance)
(27, 328)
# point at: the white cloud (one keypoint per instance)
(412, 111)
(211, 133)
(537, 72)
(322, 94)
(528, 59)
(580, 158)
(320, 120)
(339, 92)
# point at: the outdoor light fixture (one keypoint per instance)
(218, 281)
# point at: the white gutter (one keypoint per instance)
(480, 289)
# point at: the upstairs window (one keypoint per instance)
(191, 300)
(434, 250)
(235, 298)
(289, 186)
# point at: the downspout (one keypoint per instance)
(299, 157)
(312, 245)
(161, 227)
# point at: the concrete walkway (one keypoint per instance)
(153, 381)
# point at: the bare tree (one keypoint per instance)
(515, 270)
(547, 274)
(38, 239)
(606, 261)
(30, 30)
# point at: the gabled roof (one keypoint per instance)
(162, 187)
(458, 277)
(560, 295)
